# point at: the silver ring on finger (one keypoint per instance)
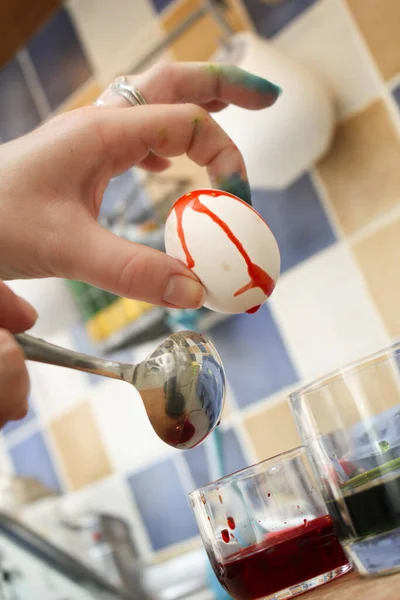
(122, 87)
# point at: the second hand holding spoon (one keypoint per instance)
(181, 383)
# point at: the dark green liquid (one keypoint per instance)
(373, 507)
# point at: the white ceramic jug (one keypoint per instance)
(282, 142)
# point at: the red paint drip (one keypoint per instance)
(258, 277)
(225, 535)
(179, 207)
(231, 522)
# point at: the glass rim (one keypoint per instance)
(351, 367)
(241, 472)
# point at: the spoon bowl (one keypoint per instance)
(181, 383)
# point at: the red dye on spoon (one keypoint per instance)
(187, 432)
(231, 522)
(180, 434)
(258, 277)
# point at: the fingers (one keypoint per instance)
(155, 164)
(131, 270)
(200, 83)
(16, 314)
(14, 380)
(172, 130)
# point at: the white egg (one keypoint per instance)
(228, 245)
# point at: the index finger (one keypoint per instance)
(202, 84)
(167, 130)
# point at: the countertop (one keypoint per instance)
(352, 587)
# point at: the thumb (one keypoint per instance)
(16, 314)
(14, 380)
(133, 271)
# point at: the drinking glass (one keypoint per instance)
(349, 422)
(266, 530)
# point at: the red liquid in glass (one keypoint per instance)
(283, 559)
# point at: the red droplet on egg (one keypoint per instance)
(253, 310)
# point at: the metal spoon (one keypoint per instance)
(182, 383)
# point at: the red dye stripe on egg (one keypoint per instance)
(258, 277)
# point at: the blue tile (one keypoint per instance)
(255, 358)
(31, 458)
(269, 20)
(59, 59)
(83, 343)
(196, 460)
(233, 457)
(13, 425)
(159, 5)
(298, 220)
(396, 94)
(163, 504)
(117, 191)
(18, 113)
(126, 190)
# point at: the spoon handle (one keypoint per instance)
(44, 352)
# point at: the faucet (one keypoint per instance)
(58, 560)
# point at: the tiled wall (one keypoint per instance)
(338, 229)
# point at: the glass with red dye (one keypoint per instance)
(266, 530)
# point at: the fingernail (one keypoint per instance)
(236, 185)
(184, 292)
(28, 309)
(242, 77)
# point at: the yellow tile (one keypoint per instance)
(361, 171)
(341, 403)
(85, 96)
(378, 257)
(202, 39)
(272, 430)
(379, 21)
(78, 441)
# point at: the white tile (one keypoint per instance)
(129, 438)
(108, 495)
(112, 496)
(57, 389)
(52, 300)
(325, 39)
(325, 313)
(115, 34)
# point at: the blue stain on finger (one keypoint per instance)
(238, 76)
(236, 185)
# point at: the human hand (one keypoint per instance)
(53, 179)
(16, 315)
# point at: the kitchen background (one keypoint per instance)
(337, 226)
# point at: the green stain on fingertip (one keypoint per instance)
(214, 69)
(196, 124)
(236, 185)
(238, 76)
